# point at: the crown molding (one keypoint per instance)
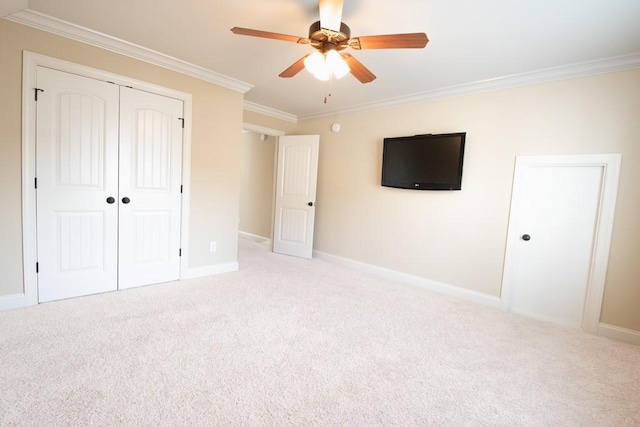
(582, 69)
(270, 112)
(66, 29)
(75, 32)
(249, 127)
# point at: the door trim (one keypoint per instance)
(610, 164)
(30, 63)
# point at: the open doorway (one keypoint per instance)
(257, 185)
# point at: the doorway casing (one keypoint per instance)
(269, 132)
(610, 164)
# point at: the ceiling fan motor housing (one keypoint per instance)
(324, 39)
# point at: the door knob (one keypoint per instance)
(110, 200)
(526, 237)
(310, 203)
(125, 200)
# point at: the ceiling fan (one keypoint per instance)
(329, 36)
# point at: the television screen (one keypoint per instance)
(424, 162)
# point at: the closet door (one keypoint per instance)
(77, 185)
(108, 198)
(150, 178)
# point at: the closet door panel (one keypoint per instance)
(77, 171)
(150, 178)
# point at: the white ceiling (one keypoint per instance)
(470, 41)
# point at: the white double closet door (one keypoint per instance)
(108, 171)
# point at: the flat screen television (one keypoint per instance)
(424, 162)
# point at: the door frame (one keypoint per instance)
(277, 134)
(610, 164)
(30, 63)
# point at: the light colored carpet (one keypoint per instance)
(295, 342)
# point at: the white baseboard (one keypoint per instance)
(619, 334)
(409, 279)
(254, 237)
(210, 270)
(9, 302)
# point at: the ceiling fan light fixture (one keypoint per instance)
(323, 65)
(336, 64)
(323, 74)
(314, 62)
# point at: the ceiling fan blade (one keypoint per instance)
(268, 35)
(358, 70)
(295, 68)
(390, 41)
(330, 14)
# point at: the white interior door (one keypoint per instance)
(150, 178)
(77, 171)
(296, 179)
(554, 226)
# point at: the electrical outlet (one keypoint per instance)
(212, 246)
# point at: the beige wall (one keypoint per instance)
(216, 146)
(257, 184)
(458, 238)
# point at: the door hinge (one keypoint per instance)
(37, 267)
(180, 252)
(35, 183)
(182, 120)
(181, 189)
(38, 90)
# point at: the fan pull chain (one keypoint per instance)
(329, 89)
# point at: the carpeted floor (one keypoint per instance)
(286, 341)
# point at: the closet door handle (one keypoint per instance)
(110, 200)
(126, 200)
